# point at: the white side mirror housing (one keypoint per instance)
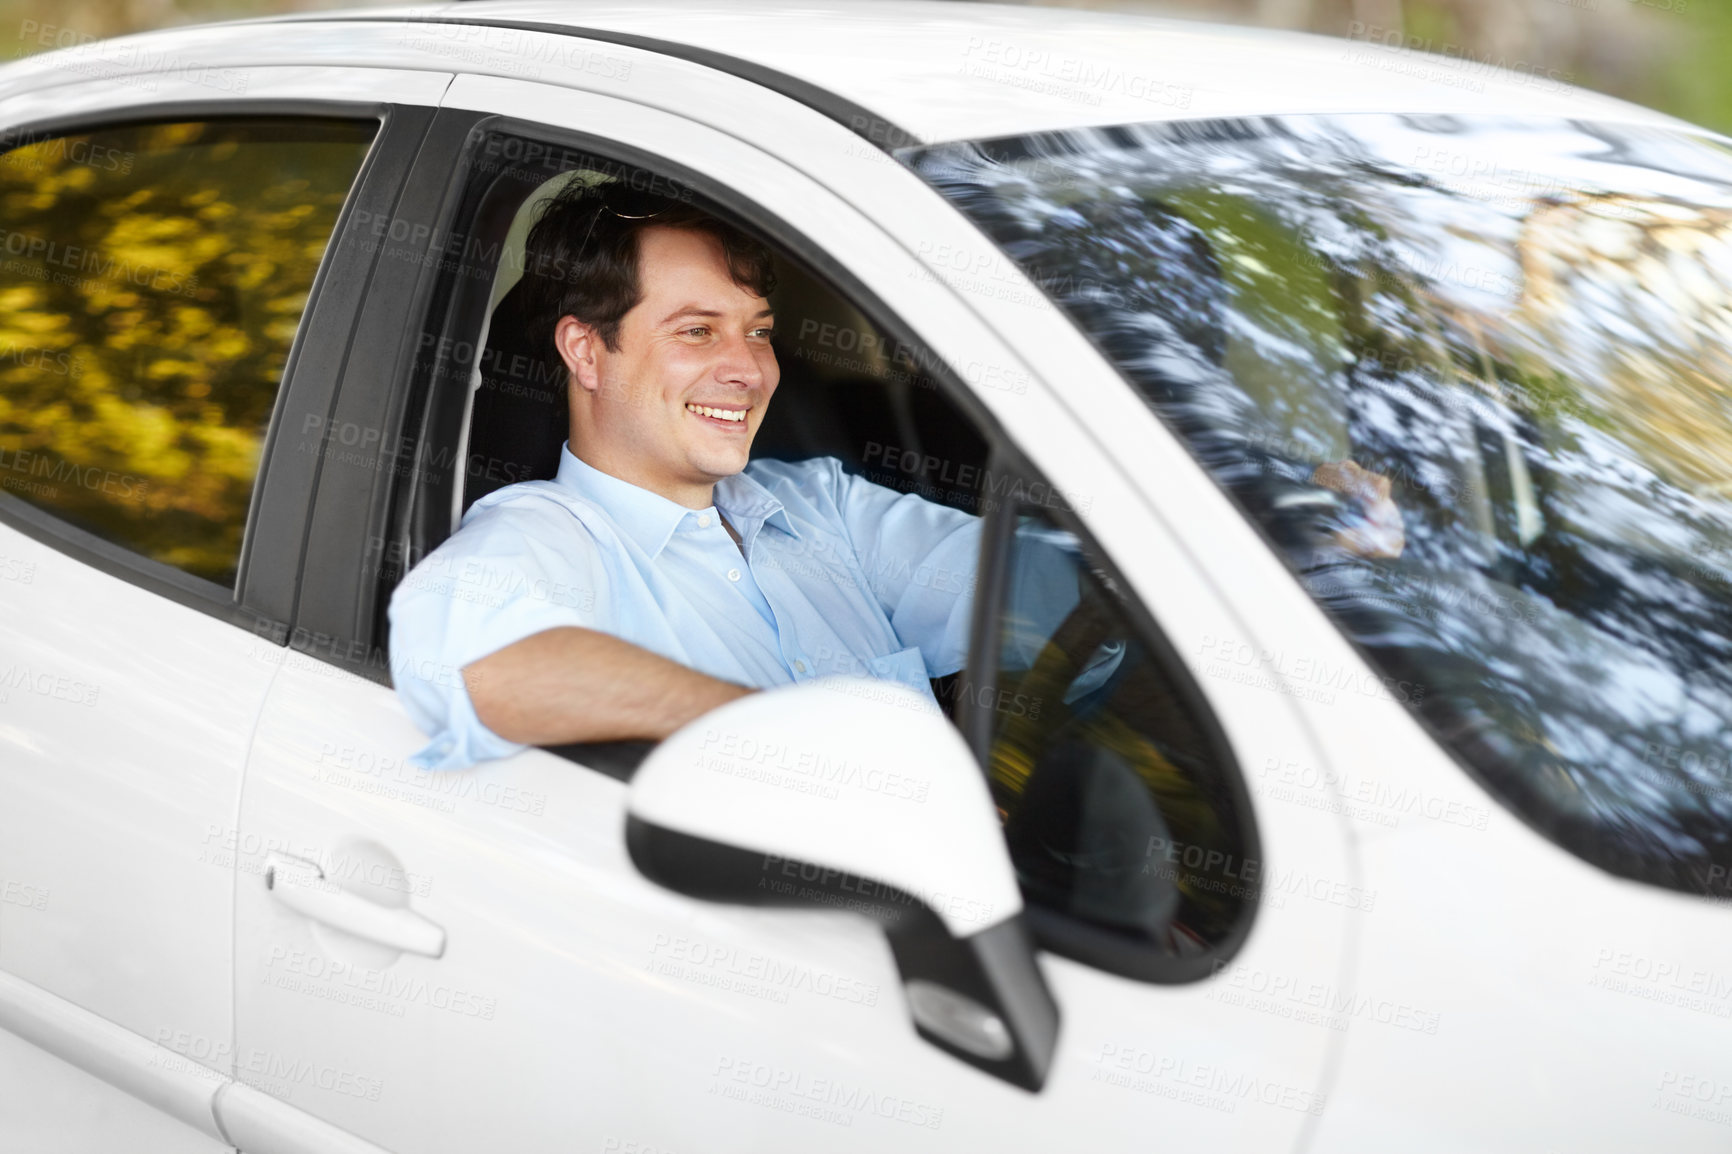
(858, 794)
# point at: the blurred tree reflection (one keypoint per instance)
(152, 281)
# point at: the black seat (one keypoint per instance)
(519, 417)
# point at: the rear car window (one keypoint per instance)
(152, 278)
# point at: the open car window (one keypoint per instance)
(1088, 764)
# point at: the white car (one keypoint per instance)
(1382, 833)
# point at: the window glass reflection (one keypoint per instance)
(1526, 328)
(152, 278)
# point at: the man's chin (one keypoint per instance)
(716, 466)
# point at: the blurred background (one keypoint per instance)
(1674, 55)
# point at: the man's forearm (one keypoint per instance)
(574, 684)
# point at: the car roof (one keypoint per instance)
(944, 70)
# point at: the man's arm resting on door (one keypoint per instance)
(571, 684)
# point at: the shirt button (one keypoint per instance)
(704, 521)
(733, 574)
(799, 667)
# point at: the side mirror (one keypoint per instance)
(843, 793)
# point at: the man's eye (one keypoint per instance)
(698, 329)
(766, 332)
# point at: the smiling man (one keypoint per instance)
(663, 572)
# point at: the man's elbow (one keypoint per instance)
(485, 680)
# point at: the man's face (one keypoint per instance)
(696, 340)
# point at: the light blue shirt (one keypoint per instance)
(833, 575)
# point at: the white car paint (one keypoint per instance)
(1490, 939)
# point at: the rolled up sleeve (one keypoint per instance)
(514, 569)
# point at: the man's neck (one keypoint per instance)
(691, 496)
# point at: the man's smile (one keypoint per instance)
(729, 415)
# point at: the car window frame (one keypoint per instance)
(260, 594)
(430, 404)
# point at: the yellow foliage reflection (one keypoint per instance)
(151, 281)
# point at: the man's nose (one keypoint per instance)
(739, 365)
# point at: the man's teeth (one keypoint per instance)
(724, 414)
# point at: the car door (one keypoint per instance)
(441, 961)
(163, 238)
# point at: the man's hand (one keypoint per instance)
(573, 684)
(1382, 535)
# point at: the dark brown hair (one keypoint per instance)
(580, 258)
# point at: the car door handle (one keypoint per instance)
(300, 884)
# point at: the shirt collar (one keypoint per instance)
(650, 519)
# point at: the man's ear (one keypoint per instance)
(579, 347)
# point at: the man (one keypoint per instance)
(663, 572)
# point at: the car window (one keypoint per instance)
(1120, 815)
(1119, 803)
(1523, 326)
(152, 278)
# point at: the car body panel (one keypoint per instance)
(126, 730)
(943, 71)
(557, 947)
(1392, 961)
(120, 815)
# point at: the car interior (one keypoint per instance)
(840, 392)
(847, 390)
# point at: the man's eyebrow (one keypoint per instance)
(698, 311)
